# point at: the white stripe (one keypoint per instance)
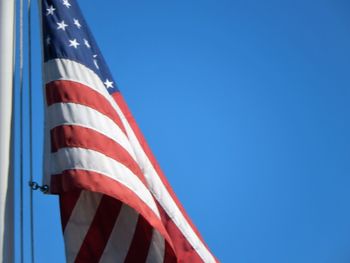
(65, 69)
(89, 160)
(70, 70)
(157, 248)
(81, 115)
(121, 237)
(79, 223)
(162, 195)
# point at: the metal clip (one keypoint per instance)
(35, 186)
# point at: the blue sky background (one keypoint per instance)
(245, 104)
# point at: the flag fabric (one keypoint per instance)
(116, 204)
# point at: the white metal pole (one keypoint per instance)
(7, 27)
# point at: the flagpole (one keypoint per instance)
(7, 26)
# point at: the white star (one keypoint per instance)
(66, 3)
(50, 10)
(95, 61)
(76, 22)
(109, 84)
(74, 43)
(48, 40)
(86, 43)
(62, 25)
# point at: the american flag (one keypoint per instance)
(116, 204)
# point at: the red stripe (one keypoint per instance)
(82, 179)
(139, 247)
(67, 204)
(69, 91)
(183, 249)
(100, 230)
(77, 136)
(179, 240)
(169, 256)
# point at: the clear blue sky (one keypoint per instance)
(246, 105)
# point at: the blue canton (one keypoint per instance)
(66, 35)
